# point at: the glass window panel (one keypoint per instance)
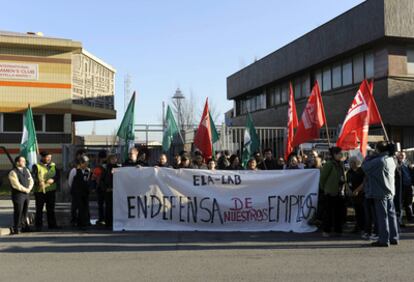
(12, 122)
(336, 76)
(326, 79)
(347, 72)
(277, 96)
(271, 96)
(358, 64)
(306, 85)
(369, 65)
(263, 101)
(285, 93)
(38, 122)
(318, 78)
(54, 123)
(297, 88)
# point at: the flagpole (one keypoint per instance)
(385, 131)
(326, 122)
(37, 145)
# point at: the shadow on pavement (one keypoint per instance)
(68, 241)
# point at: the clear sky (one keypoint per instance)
(163, 45)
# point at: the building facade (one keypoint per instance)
(374, 40)
(62, 82)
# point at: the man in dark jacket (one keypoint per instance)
(21, 183)
(80, 186)
(403, 189)
(133, 159)
(108, 184)
(269, 163)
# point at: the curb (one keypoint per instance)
(4, 231)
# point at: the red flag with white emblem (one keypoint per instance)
(313, 118)
(292, 123)
(202, 140)
(361, 114)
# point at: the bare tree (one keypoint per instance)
(214, 111)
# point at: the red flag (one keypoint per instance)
(202, 140)
(361, 114)
(313, 118)
(292, 122)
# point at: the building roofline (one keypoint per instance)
(30, 39)
(98, 60)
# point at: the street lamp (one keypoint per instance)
(178, 98)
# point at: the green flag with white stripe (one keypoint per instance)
(28, 145)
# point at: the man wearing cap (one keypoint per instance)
(46, 178)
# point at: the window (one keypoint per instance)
(336, 76)
(297, 89)
(276, 98)
(285, 93)
(306, 85)
(347, 72)
(38, 122)
(369, 65)
(410, 61)
(262, 102)
(318, 78)
(54, 123)
(326, 86)
(12, 122)
(358, 68)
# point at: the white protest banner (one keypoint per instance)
(203, 200)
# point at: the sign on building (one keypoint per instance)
(19, 71)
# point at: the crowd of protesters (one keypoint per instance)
(379, 188)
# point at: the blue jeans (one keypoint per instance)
(387, 220)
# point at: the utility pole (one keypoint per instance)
(127, 90)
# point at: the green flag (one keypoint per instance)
(126, 129)
(251, 141)
(214, 134)
(170, 130)
(28, 146)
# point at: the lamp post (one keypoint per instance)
(178, 98)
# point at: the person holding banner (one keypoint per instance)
(211, 164)
(132, 158)
(332, 183)
(252, 164)
(163, 161)
(268, 163)
(185, 161)
(108, 184)
(234, 163)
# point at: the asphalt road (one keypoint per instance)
(170, 256)
(100, 255)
